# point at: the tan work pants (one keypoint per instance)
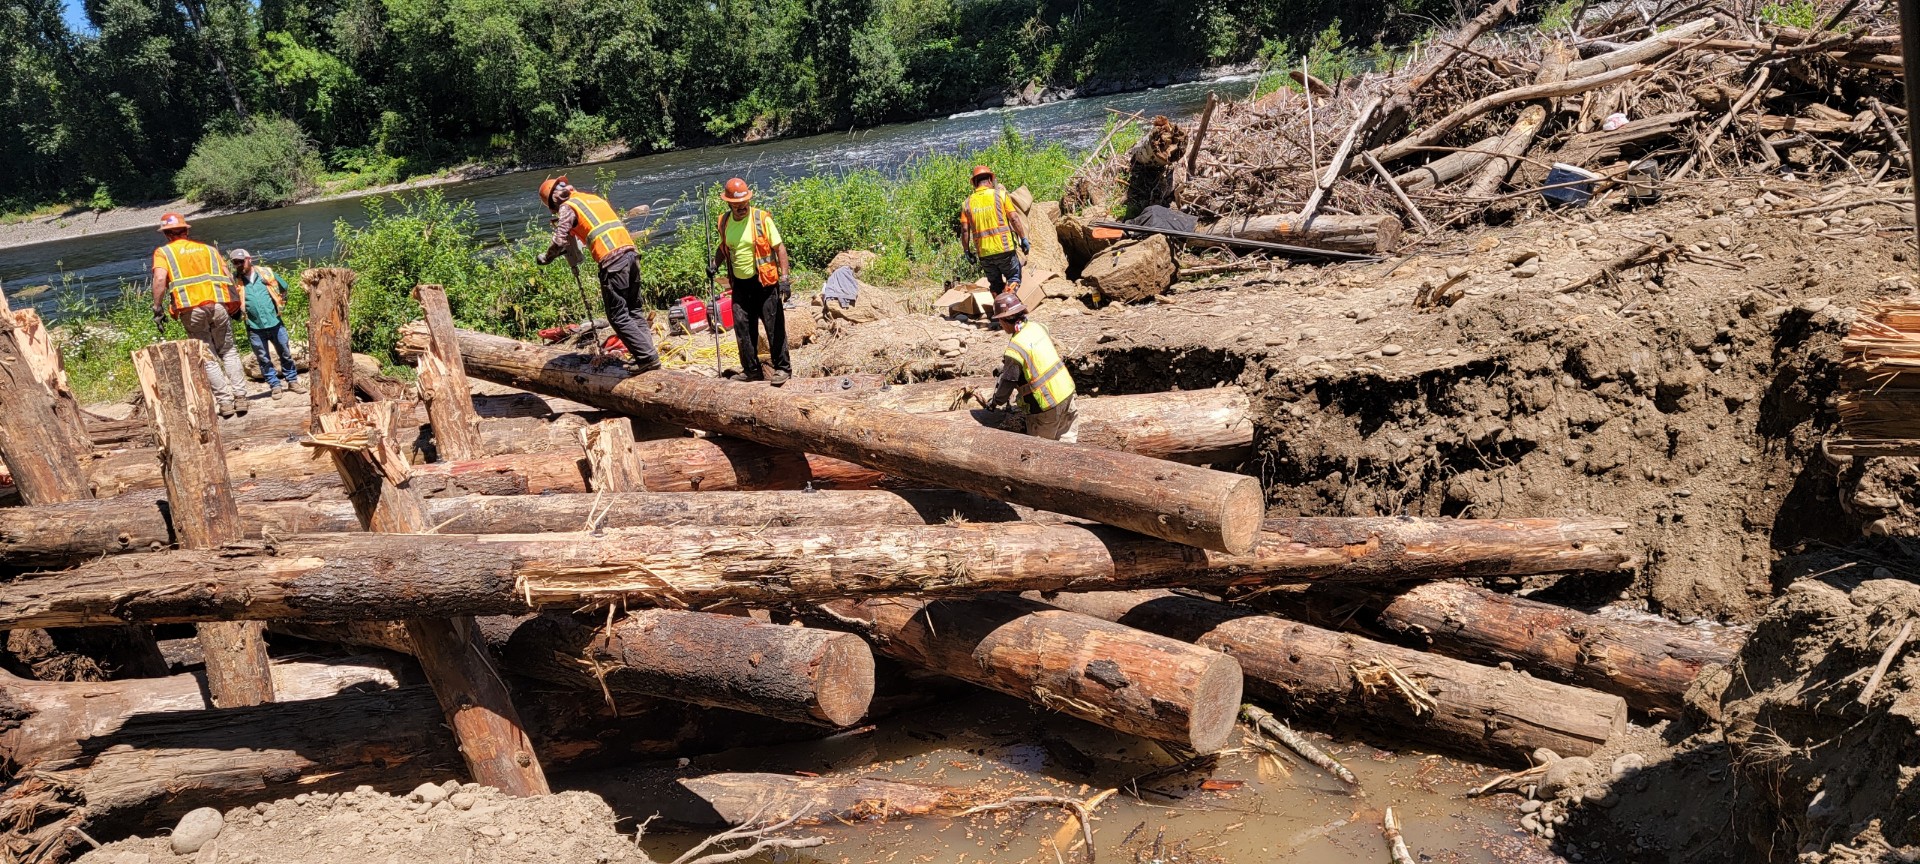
(211, 324)
(1056, 423)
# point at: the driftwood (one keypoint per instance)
(1209, 509)
(1431, 134)
(1362, 234)
(1321, 674)
(739, 799)
(372, 576)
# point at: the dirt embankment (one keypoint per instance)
(1688, 397)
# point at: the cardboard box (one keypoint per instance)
(979, 302)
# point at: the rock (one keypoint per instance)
(1391, 350)
(1044, 239)
(428, 793)
(1076, 237)
(1627, 763)
(364, 366)
(1526, 271)
(1566, 775)
(462, 800)
(195, 829)
(1531, 823)
(1134, 271)
(858, 259)
(1530, 806)
(1543, 756)
(133, 858)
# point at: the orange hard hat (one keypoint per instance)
(172, 222)
(1007, 305)
(546, 190)
(980, 171)
(736, 191)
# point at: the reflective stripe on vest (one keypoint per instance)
(196, 276)
(596, 225)
(992, 233)
(763, 263)
(1046, 380)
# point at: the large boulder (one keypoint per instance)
(1047, 253)
(1075, 234)
(1132, 271)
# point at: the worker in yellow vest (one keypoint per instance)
(991, 229)
(1032, 368)
(191, 282)
(590, 220)
(755, 261)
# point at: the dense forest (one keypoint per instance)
(385, 89)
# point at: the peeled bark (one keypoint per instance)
(1510, 148)
(42, 439)
(330, 372)
(443, 381)
(371, 576)
(737, 799)
(1651, 663)
(1095, 670)
(1364, 234)
(1316, 673)
(1198, 507)
(792, 673)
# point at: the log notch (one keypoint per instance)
(1371, 235)
(722, 661)
(180, 403)
(330, 351)
(1477, 710)
(1095, 670)
(613, 463)
(477, 703)
(443, 381)
(338, 577)
(1651, 663)
(1194, 506)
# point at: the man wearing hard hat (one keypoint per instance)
(755, 261)
(191, 282)
(991, 230)
(592, 221)
(1032, 368)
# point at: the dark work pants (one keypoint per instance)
(755, 304)
(620, 292)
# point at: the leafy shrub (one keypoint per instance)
(267, 164)
(97, 342)
(1794, 13)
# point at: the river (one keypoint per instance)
(54, 276)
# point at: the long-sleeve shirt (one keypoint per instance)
(1011, 377)
(562, 232)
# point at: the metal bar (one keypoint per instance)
(1223, 240)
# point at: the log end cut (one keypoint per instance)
(1245, 508)
(844, 685)
(1216, 704)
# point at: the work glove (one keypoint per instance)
(972, 258)
(542, 259)
(786, 287)
(160, 321)
(712, 270)
(1025, 247)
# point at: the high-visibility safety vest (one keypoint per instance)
(196, 275)
(1046, 380)
(764, 265)
(596, 225)
(992, 230)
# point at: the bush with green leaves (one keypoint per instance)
(266, 163)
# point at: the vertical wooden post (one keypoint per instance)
(477, 703)
(42, 438)
(180, 403)
(330, 384)
(613, 464)
(443, 382)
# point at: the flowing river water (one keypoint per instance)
(50, 276)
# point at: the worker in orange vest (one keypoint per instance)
(589, 219)
(755, 261)
(191, 282)
(991, 230)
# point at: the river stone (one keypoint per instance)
(195, 829)
(1134, 271)
(428, 793)
(1566, 775)
(1047, 253)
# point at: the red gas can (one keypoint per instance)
(696, 314)
(724, 303)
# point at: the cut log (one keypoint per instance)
(1650, 662)
(793, 673)
(1510, 148)
(737, 799)
(1325, 675)
(41, 434)
(180, 405)
(1184, 504)
(613, 465)
(493, 741)
(123, 756)
(330, 372)
(339, 577)
(1095, 670)
(1362, 234)
(1644, 51)
(1450, 167)
(443, 381)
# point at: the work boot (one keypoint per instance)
(277, 390)
(224, 407)
(297, 386)
(637, 366)
(779, 377)
(240, 404)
